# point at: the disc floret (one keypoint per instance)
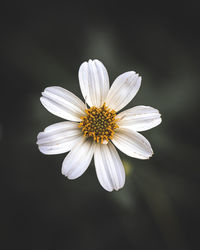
(100, 123)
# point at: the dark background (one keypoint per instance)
(43, 44)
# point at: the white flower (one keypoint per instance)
(95, 130)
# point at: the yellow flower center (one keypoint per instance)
(100, 123)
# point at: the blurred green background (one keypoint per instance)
(43, 44)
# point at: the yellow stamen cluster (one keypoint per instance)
(99, 123)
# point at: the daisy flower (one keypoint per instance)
(97, 129)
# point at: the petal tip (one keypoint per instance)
(108, 189)
(150, 154)
(63, 171)
(42, 99)
(120, 187)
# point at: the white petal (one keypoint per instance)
(139, 118)
(132, 143)
(123, 89)
(63, 103)
(59, 138)
(94, 82)
(109, 168)
(78, 159)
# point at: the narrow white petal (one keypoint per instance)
(132, 143)
(63, 103)
(78, 159)
(59, 138)
(94, 82)
(123, 89)
(109, 168)
(139, 118)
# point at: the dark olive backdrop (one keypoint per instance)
(43, 44)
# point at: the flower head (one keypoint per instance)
(94, 130)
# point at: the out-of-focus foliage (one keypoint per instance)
(43, 44)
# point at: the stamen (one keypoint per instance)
(100, 123)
